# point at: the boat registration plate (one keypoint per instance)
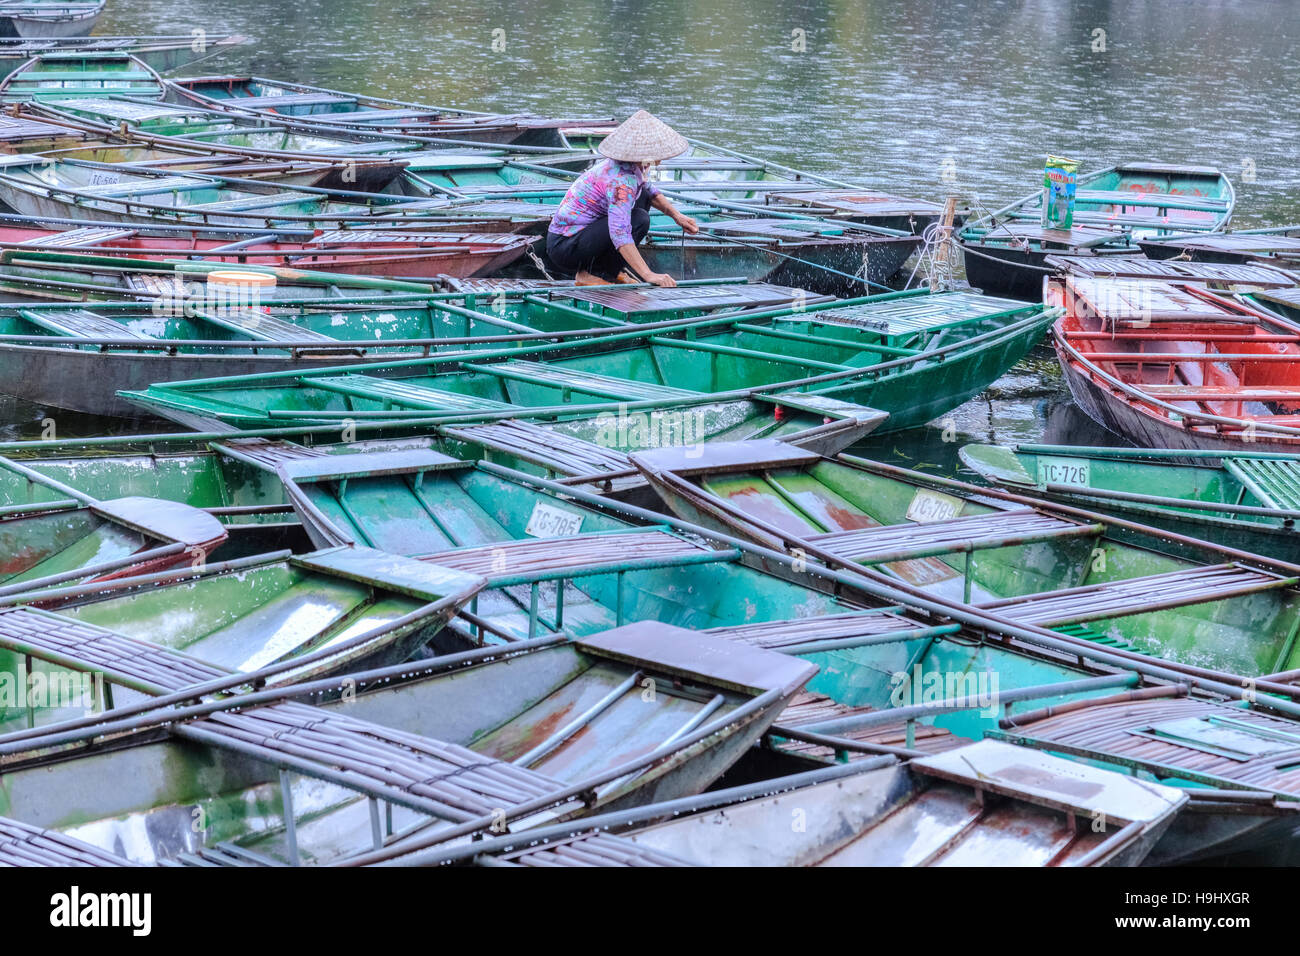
(1072, 472)
(547, 521)
(929, 506)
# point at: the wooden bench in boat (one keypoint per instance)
(122, 660)
(543, 446)
(266, 328)
(432, 776)
(809, 708)
(290, 99)
(397, 392)
(1209, 393)
(858, 202)
(266, 453)
(576, 380)
(140, 187)
(82, 324)
(1275, 482)
(25, 845)
(804, 630)
(1138, 267)
(1132, 197)
(81, 238)
(593, 849)
(919, 314)
(749, 296)
(999, 529)
(1093, 602)
(588, 552)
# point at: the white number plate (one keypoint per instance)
(550, 522)
(928, 506)
(1074, 472)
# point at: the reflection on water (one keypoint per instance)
(891, 94)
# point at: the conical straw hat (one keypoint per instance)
(643, 139)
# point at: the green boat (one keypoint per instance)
(1071, 571)
(914, 355)
(544, 731)
(60, 356)
(80, 190)
(1113, 209)
(286, 619)
(1249, 502)
(82, 73)
(163, 53)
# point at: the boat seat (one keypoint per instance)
(24, 845)
(80, 238)
(80, 323)
(1215, 393)
(593, 849)
(808, 707)
(222, 854)
(263, 327)
(802, 630)
(591, 383)
(292, 99)
(543, 446)
(166, 286)
(266, 453)
(373, 116)
(1276, 482)
(578, 551)
(918, 314)
(121, 659)
(398, 392)
(998, 529)
(138, 188)
(1112, 599)
(1129, 197)
(442, 779)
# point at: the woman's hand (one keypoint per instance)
(688, 224)
(662, 279)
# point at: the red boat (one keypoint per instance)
(376, 252)
(1176, 365)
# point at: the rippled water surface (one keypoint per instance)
(883, 93)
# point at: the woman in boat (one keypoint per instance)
(606, 212)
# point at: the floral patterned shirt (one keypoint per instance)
(609, 188)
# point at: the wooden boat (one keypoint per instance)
(331, 108)
(1018, 559)
(1247, 756)
(1250, 502)
(163, 53)
(1114, 208)
(77, 189)
(41, 19)
(930, 811)
(1279, 246)
(321, 172)
(1175, 365)
(302, 617)
(913, 355)
(1230, 277)
(78, 356)
(114, 255)
(81, 73)
(551, 727)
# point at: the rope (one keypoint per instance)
(538, 262)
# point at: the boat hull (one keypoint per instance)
(1118, 416)
(49, 27)
(1015, 273)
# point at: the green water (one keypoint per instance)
(920, 97)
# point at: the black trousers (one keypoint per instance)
(592, 249)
